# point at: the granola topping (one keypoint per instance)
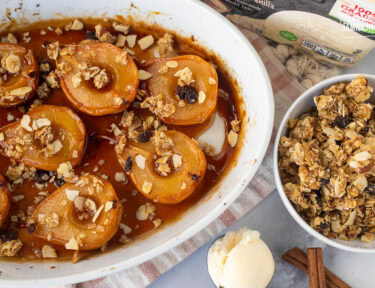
(327, 162)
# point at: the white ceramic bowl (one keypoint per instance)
(212, 30)
(302, 105)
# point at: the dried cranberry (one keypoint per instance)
(42, 176)
(45, 44)
(195, 177)
(128, 164)
(33, 74)
(91, 35)
(342, 122)
(370, 189)
(59, 181)
(144, 136)
(361, 233)
(8, 235)
(323, 225)
(187, 93)
(364, 131)
(31, 228)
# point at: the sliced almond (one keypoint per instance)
(157, 222)
(362, 156)
(20, 92)
(172, 64)
(72, 244)
(76, 25)
(42, 122)
(147, 187)
(71, 194)
(25, 123)
(56, 146)
(97, 214)
(177, 160)
(121, 40)
(48, 252)
(75, 154)
(120, 177)
(117, 100)
(211, 81)
(13, 63)
(125, 228)
(79, 203)
(11, 38)
(146, 42)
(201, 97)
(140, 161)
(183, 186)
(144, 75)
(108, 206)
(131, 40)
(232, 138)
(121, 27)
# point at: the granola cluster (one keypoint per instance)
(327, 162)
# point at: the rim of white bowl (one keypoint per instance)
(210, 216)
(308, 93)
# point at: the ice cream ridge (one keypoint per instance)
(240, 259)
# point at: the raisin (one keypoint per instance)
(144, 136)
(364, 131)
(8, 235)
(31, 228)
(323, 225)
(33, 74)
(59, 181)
(45, 44)
(114, 205)
(342, 122)
(370, 189)
(42, 176)
(128, 164)
(324, 181)
(187, 93)
(91, 35)
(195, 177)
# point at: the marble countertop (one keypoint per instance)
(280, 232)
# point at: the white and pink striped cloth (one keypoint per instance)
(285, 89)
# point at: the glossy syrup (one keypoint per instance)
(98, 149)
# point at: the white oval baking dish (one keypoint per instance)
(217, 34)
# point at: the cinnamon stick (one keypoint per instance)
(298, 258)
(321, 273)
(312, 268)
(315, 268)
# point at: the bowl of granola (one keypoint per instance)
(324, 162)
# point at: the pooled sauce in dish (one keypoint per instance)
(30, 187)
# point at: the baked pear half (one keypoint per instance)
(166, 169)
(98, 78)
(45, 137)
(182, 89)
(80, 216)
(19, 74)
(4, 200)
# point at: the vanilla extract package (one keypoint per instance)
(316, 37)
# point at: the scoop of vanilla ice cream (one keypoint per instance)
(240, 259)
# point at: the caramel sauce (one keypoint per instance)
(99, 149)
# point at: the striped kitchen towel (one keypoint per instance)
(286, 89)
